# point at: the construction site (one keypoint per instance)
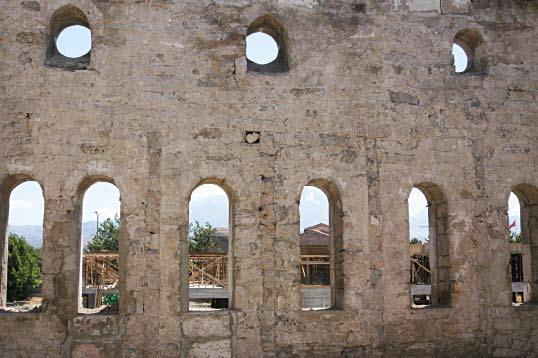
(363, 100)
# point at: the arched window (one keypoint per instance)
(428, 246)
(99, 288)
(210, 247)
(70, 39)
(266, 46)
(523, 226)
(21, 279)
(520, 289)
(320, 244)
(465, 52)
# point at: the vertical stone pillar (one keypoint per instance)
(4, 204)
(61, 251)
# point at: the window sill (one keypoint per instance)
(531, 306)
(222, 312)
(32, 314)
(429, 307)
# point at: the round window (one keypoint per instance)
(74, 41)
(261, 48)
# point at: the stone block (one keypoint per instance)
(214, 349)
(455, 6)
(207, 326)
(424, 5)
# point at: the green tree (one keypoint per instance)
(418, 241)
(514, 237)
(107, 237)
(202, 237)
(24, 268)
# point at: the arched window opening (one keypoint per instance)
(321, 246)
(100, 241)
(314, 243)
(523, 229)
(419, 248)
(70, 39)
(428, 246)
(210, 245)
(24, 243)
(519, 288)
(465, 52)
(266, 46)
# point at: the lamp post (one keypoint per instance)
(97, 225)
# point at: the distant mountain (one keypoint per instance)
(418, 225)
(34, 233)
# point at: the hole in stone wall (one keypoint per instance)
(74, 41)
(69, 43)
(25, 248)
(209, 249)
(261, 48)
(461, 61)
(464, 54)
(266, 46)
(100, 262)
(252, 137)
(315, 249)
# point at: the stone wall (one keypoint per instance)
(370, 103)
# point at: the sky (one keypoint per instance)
(418, 215)
(261, 48)
(74, 41)
(209, 204)
(101, 197)
(460, 58)
(313, 207)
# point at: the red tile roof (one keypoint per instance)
(315, 235)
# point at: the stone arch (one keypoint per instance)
(336, 244)
(472, 44)
(269, 25)
(439, 243)
(527, 195)
(66, 16)
(82, 188)
(184, 244)
(7, 186)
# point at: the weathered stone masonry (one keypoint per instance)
(370, 103)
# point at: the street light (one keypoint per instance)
(97, 225)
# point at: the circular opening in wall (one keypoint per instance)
(261, 48)
(461, 60)
(74, 41)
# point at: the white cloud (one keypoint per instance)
(417, 202)
(513, 205)
(20, 204)
(314, 195)
(207, 191)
